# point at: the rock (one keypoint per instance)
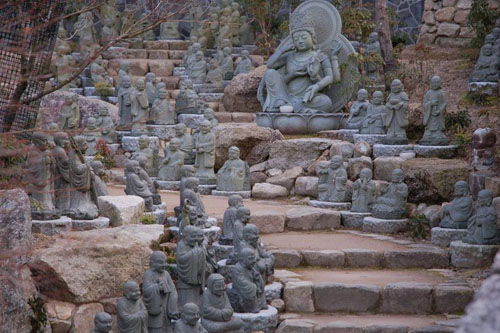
(52, 227)
(355, 165)
(100, 222)
(461, 17)
(493, 184)
(324, 258)
(287, 178)
(121, 210)
(131, 143)
(362, 148)
(268, 221)
(360, 258)
(342, 148)
(496, 204)
(260, 167)
(306, 186)
(253, 141)
(59, 315)
(433, 214)
(273, 172)
(298, 297)
(287, 258)
(383, 167)
(417, 258)
(428, 18)
(451, 298)
(82, 267)
(83, 320)
(448, 29)
(309, 218)
(268, 191)
(407, 298)
(285, 154)
(443, 236)
(436, 151)
(391, 150)
(355, 297)
(241, 94)
(273, 290)
(386, 328)
(465, 255)
(278, 304)
(445, 14)
(353, 220)
(432, 179)
(464, 4)
(264, 321)
(257, 177)
(296, 326)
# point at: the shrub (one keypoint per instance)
(148, 219)
(481, 20)
(104, 154)
(419, 226)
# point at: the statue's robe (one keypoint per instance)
(181, 327)
(482, 228)
(125, 106)
(265, 260)
(191, 269)
(457, 213)
(132, 317)
(363, 198)
(434, 117)
(171, 166)
(248, 289)
(233, 176)
(140, 109)
(162, 113)
(61, 180)
(374, 120)
(198, 71)
(107, 127)
(357, 114)
(396, 117)
(159, 303)
(228, 224)
(205, 154)
(80, 176)
(217, 313)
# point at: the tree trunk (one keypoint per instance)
(384, 32)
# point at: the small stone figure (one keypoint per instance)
(234, 27)
(332, 184)
(122, 73)
(227, 65)
(391, 204)
(372, 69)
(191, 266)
(103, 323)
(159, 295)
(434, 112)
(62, 187)
(246, 32)
(458, 212)
(139, 107)
(205, 154)
(150, 88)
(98, 73)
(198, 69)
(159, 86)
(153, 186)
(70, 113)
(242, 219)
(187, 145)
(209, 115)
(130, 310)
(396, 118)
(245, 65)
(161, 111)
(191, 193)
(63, 67)
(135, 185)
(190, 320)
(234, 174)
(108, 33)
(374, 120)
(214, 75)
(173, 162)
(91, 133)
(363, 196)
(125, 96)
(235, 201)
(265, 260)
(85, 30)
(99, 184)
(487, 66)
(358, 111)
(107, 126)
(217, 313)
(187, 171)
(83, 196)
(483, 152)
(169, 30)
(148, 152)
(191, 57)
(482, 227)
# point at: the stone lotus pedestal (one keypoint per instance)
(300, 123)
(243, 194)
(484, 88)
(465, 255)
(131, 143)
(99, 223)
(51, 227)
(353, 220)
(191, 120)
(384, 226)
(163, 132)
(436, 151)
(444, 236)
(222, 251)
(169, 185)
(372, 139)
(391, 150)
(332, 205)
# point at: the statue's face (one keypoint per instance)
(137, 169)
(218, 287)
(199, 56)
(42, 144)
(234, 154)
(489, 39)
(126, 83)
(487, 50)
(336, 163)
(191, 316)
(133, 293)
(377, 98)
(249, 260)
(68, 100)
(140, 85)
(104, 325)
(205, 129)
(366, 176)
(209, 114)
(460, 190)
(435, 83)
(174, 146)
(192, 239)
(159, 265)
(362, 95)
(103, 112)
(252, 238)
(64, 143)
(143, 144)
(83, 146)
(162, 94)
(302, 40)
(484, 198)
(196, 48)
(91, 122)
(396, 87)
(239, 203)
(245, 217)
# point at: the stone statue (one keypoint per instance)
(332, 184)
(457, 213)
(224, 28)
(149, 153)
(205, 154)
(159, 86)
(188, 101)
(70, 113)
(62, 38)
(227, 65)
(150, 88)
(246, 32)
(265, 260)
(374, 120)
(191, 266)
(139, 107)
(214, 75)
(98, 73)
(63, 67)
(162, 112)
(245, 65)
(130, 310)
(187, 144)
(482, 227)
(372, 69)
(198, 69)
(159, 295)
(91, 133)
(209, 115)
(483, 152)
(247, 294)
(213, 26)
(83, 196)
(169, 30)
(234, 174)
(396, 117)
(135, 185)
(391, 204)
(39, 178)
(191, 57)
(62, 186)
(220, 53)
(434, 107)
(153, 186)
(234, 26)
(191, 193)
(122, 73)
(187, 171)
(107, 125)
(242, 219)
(217, 313)
(235, 201)
(125, 96)
(103, 323)
(190, 320)
(99, 184)
(108, 32)
(358, 111)
(363, 195)
(85, 30)
(173, 162)
(487, 66)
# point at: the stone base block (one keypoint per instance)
(99, 223)
(191, 120)
(51, 227)
(206, 189)
(172, 221)
(465, 255)
(158, 214)
(211, 234)
(131, 143)
(381, 226)
(391, 150)
(353, 220)
(243, 194)
(484, 88)
(164, 132)
(444, 236)
(265, 321)
(436, 151)
(222, 251)
(332, 205)
(169, 185)
(370, 138)
(211, 97)
(273, 290)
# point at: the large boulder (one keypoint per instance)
(268, 191)
(121, 209)
(287, 178)
(253, 141)
(432, 180)
(241, 94)
(83, 267)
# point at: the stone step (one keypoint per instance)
(139, 67)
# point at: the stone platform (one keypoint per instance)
(383, 226)
(391, 150)
(465, 255)
(222, 251)
(331, 205)
(51, 227)
(99, 223)
(131, 143)
(265, 321)
(163, 132)
(353, 220)
(243, 194)
(370, 138)
(191, 120)
(444, 236)
(300, 123)
(169, 185)
(436, 151)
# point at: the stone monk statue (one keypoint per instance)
(374, 120)
(358, 111)
(146, 151)
(482, 227)
(187, 144)
(62, 185)
(190, 320)
(363, 196)
(99, 184)
(227, 64)
(242, 219)
(332, 184)
(191, 193)
(245, 64)
(205, 154)
(103, 323)
(106, 125)
(392, 202)
(162, 112)
(214, 75)
(125, 96)
(171, 165)
(198, 68)
(135, 185)
(457, 213)
(152, 185)
(150, 87)
(131, 312)
(265, 260)
(139, 106)
(70, 113)
(434, 107)
(487, 66)
(396, 118)
(234, 202)
(91, 133)
(159, 295)
(234, 174)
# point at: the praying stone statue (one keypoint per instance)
(374, 120)
(332, 184)
(159, 86)
(63, 67)
(62, 187)
(209, 115)
(265, 260)
(187, 144)
(190, 320)
(99, 184)
(122, 73)
(205, 154)
(487, 66)
(191, 266)
(191, 56)
(363, 195)
(98, 73)
(434, 112)
(159, 295)
(245, 65)
(106, 125)
(146, 151)
(169, 30)
(39, 178)
(457, 213)
(153, 186)
(83, 196)
(173, 162)
(103, 323)
(135, 185)
(150, 88)
(91, 133)
(358, 111)
(130, 310)
(396, 117)
(139, 107)
(246, 32)
(482, 227)
(227, 64)
(234, 174)
(242, 219)
(187, 171)
(161, 111)
(198, 69)
(125, 96)
(372, 69)
(214, 75)
(217, 313)
(391, 204)
(191, 193)
(235, 201)
(70, 113)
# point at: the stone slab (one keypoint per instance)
(353, 220)
(407, 298)
(370, 138)
(331, 205)
(222, 251)
(436, 151)
(131, 143)
(465, 255)
(243, 194)
(354, 297)
(346, 134)
(164, 132)
(191, 120)
(169, 185)
(381, 226)
(51, 227)
(121, 209)
(265, 321)
(484, 88)
(444, 236)
(391, 150)
(99, 223)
